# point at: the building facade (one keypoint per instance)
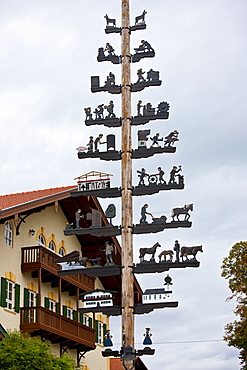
(34, 298)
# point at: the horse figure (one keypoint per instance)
(140, 18)
(151, 250)
(177, 211)
(186, 251)
(110, 20)
(165, 253)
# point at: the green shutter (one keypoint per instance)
(26, 293)
(46, 302)
(3, 292)
(74, 315)
(90, 322)
(65, 311)
(81, 318)
(17, 298)
(96, 332)
(37, 300)
(57, 308)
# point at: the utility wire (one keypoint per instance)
(187, 341)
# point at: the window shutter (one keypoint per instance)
(65, 311)
(25, 303)
(46, 302)
(57, 308)
(96, 332)
(81, 318)
(17, 298)
(37, 300)
(74, 315)
(3, 292)
(90, 322)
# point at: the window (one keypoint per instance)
(52, 246)
(8, 234)
(85, 320)
(9, 294)
(61, 252)
(51, 305)
(41, 240)
(31, 298)
(100, 329)
(29, 301)
(69, 313)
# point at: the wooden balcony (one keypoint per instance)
(38, 258)
(56, 328)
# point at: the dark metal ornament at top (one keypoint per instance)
(144, 50)
(110, 86)
(108, 54)
(111, 25)
(108, 119)
(144, 152)
(149, 113)
(152, 79)
(110, 155)
(112, 28)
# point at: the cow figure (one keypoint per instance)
(186, 251)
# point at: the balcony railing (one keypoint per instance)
(51, 324)
(37, 257)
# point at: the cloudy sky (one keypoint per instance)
(48, 53)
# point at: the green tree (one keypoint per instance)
(20, 352)
(234, 268)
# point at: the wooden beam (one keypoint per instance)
(127, 238)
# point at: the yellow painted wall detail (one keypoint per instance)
(10, 276)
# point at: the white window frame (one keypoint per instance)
(69, 313)
(63, 253)
(100, 332)
(41, 242)
(10, 294)
(52, 246)
(85, 320)
(52, 305)
(31, 298)
(8, 234)
(31, 303)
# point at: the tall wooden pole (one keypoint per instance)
(127, 223)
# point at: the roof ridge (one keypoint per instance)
(38, 190)
(14, 199)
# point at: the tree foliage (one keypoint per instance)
(234, 269)
(20, 352)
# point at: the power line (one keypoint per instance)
(186, 341)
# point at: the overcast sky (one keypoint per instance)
(48, 53)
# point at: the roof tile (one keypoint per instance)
(11, 200)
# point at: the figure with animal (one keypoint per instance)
(184, 210)
(151, 251)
